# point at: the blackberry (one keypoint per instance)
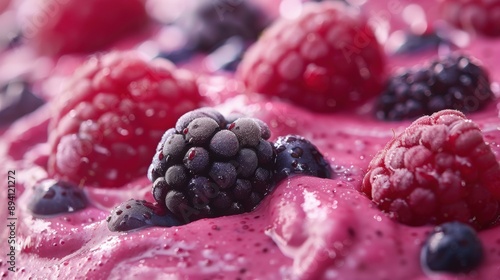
(210, 23)
(52, 197)
(136, 214)
(209, 167)
(452, 247)
(296, 155)
(454, 82)
(17, 100)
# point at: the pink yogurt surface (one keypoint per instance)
(307, 228)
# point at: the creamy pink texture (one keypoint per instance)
(308, 228)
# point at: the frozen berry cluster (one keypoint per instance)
(207, 167)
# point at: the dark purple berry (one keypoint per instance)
(296, 155)
(16, 100)
(52, 197)
(210, 23)
(136, 214)
(452, 247)
(454, 82)
(178, 56)
(414, 43)
(214, 167)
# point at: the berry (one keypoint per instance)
(454, 82)
(17, 100)
(327, 59)
(414, 43)
(209, 167)
(452, 247)
(136, 214)
(438, 170)
(112, 114)
(51, 197)
(475, 16)
(209, 23)
(296, 155)
(60, 27)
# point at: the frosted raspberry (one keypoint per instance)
(477, 16)
(112, 114)
(439, 169)
(59, 27)
(326, 59)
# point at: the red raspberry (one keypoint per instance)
(438, 170)
(113, 113)
(326, 59)
(65, 26)
(476, 16)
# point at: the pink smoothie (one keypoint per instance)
(307, 228)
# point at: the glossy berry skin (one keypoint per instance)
(454, 82)
(452, 247)
(17, 100)
(57, 27)
(474, 16)
(326, 60)
(108, 120)
(137, 214)
(208, 24)
(295, 155)
(439, 169)
(51, 197)
(209, 167)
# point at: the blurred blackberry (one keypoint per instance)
(17, 100)
(296, 155)
(414, 43)
(211, 22)
(209, 167)
(454, 82)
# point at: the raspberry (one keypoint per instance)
(209, 23)
(53, 197)
(438, 170)
(136, 214)
(209, 167)
(326, 59)
(296, 155)
(113, 112)
(60, 27)
(475, 16)
(17, 100)
(454, 82)
(452, 247)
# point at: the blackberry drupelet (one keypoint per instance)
(452, 247)
(209, 167)
(454, 82)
